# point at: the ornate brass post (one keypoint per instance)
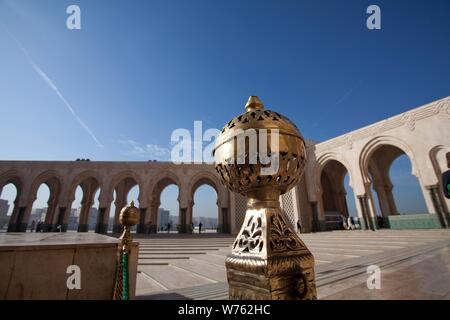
(129, 216)
(268, 259)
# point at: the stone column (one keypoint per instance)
(182, 226)
(319, 213)
(362, 212)
(438, 206)
(367, 211)
(315, 216)
(23, 214)
(49, 225)
(119, 203)
(386, 201)
(225, 221)
(390, 200)
(153, 209)
(372, 209)
(383, 200)
(341, 199)
(189, 217)
(60, 219)
(12, 225)
(103, 220)
(220, 219)
(144, 221)
(359, 212)
(86, 205)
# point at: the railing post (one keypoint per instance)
(129, 216)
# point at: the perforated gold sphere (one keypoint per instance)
(129, 215)
(242, 175)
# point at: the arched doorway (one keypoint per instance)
(125, 190)
(398, 191)
(335, 186)
(167, 220)
(133, 195)
(8, 199)
(45, 191)
(85, 210)
(40, 210)
(205, 216)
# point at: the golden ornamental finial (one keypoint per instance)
(254, 103)
(267, 248)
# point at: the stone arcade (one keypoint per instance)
(365, 154)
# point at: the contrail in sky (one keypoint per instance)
(52, 86)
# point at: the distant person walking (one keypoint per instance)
(200, 227)
(344, 222)
(33, 225)
(351, 225)
(168, 227)
(299, 227)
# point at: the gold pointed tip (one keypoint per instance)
(254, 103)
(132, 203)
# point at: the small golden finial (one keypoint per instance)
(253, 103)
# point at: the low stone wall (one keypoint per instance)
(34, 266)
(414, 221)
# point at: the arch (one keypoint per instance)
(330, 173)
(89, 181)
(79, 179)
(157, 186)
(207, 178)
(205, 209)
(376, 161)
(9, 195)
(161, 182)
(323, 160)
(41, 209)
(53, 181)
(372, 145)
(122, 176)
(14, 177)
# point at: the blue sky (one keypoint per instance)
(137, 70)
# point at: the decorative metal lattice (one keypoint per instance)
(241, 208)
(289, 208)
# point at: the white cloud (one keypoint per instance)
(150, 151)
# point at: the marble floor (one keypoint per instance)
(414, 264)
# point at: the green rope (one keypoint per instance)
(125, 284)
